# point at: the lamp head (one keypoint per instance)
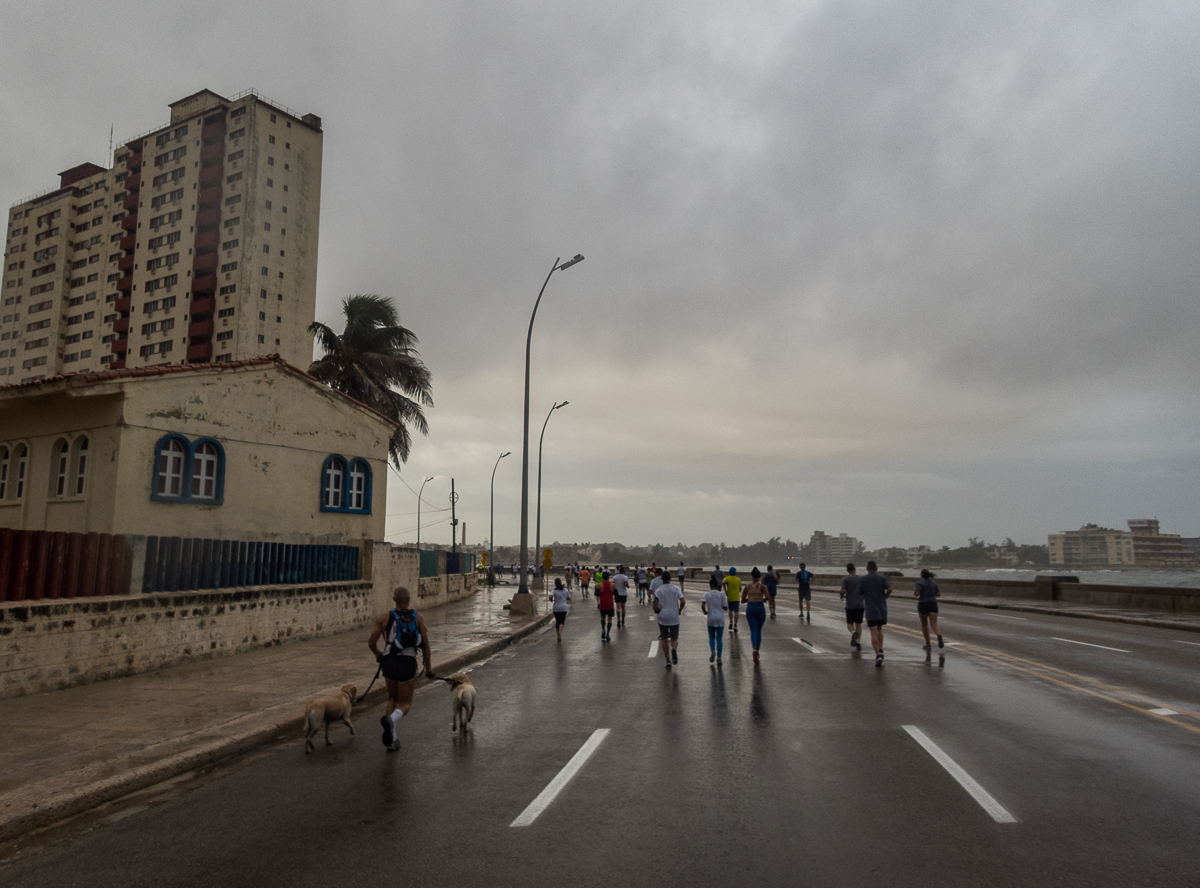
(563, 404)
(570, 262)
(509, 453)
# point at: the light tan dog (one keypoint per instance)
(328, 709)
(464, 701)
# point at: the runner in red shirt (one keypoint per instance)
(606, 601)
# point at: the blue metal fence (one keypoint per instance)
(177, 564)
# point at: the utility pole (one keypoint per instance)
(453, 520)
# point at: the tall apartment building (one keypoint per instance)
(833, 550)
(1091, 547)
(1158, 550)
(199, 244)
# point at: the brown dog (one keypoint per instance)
(464, 701)
(328, 709)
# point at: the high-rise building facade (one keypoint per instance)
(1091, 547)
(1158, 550)
(199, 244)
(828, 549)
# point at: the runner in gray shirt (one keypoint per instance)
(875, 589)
(854, 605)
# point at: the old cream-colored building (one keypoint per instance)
(1091, 547)
(198, 245)
(254, 449)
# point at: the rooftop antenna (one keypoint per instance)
(111, 161)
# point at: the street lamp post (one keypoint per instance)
(520, 604)
(492, 530)
(423, 483)
(537, 534)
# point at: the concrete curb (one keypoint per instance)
(111, 788)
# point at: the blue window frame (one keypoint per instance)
(346, 485)
(188, 471)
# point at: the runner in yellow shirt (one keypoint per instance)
(733, 591)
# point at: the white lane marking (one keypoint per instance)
(1006, 617)
(997, 811)
(1089, 644)
(555, 786)
(1164, 712)
(654, 649)
(1197, 643)
(951, 644)
(801, 641)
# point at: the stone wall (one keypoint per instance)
(392, 566)
(54, 644)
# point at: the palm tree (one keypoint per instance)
(375, 361)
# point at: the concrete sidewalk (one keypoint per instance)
(1158, 619)
(66, 751)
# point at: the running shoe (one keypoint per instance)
(879, 659)
(718, 661)
(853, 640)
(712, 656)
(668, 664)
(927, 647)
(772, 616)
(941, 643)
(389, 734)
(756, 656)
(674, 655)
(810, 619)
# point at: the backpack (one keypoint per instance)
(402, 631)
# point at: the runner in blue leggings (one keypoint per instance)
(714, 605)
(756, 596)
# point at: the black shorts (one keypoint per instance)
(643, 586)
(735, 606)
(876, 624)
(584, 586)
(560, 617)
(399, 668)
(607, 612)
(854, 615)
(668, 632)
(621, 599)
(806, 594)
(927, 607)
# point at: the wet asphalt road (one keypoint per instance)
(799, 772)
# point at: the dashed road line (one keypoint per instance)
(1163, 711)
(561, 779)
(1004, 617)
(802, 642)
(997, 811)
(1089, 644)
(1179, 641)
(654, 649)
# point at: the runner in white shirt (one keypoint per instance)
(561, 596)
(715, 603)
(682, 574)
(643, 585)
(668, 604)
(621, 587)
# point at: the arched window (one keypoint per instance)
(171, 458)
(81, 461)
(333, 484)
(358, 484)
(22, 460)
(3, 473)
(204, 471)
(61, 454)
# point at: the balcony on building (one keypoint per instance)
(211, 154)
(120, 325)
(213, 132)
(207, 241)
(125, 263)
(202, 306)
(206, 220)
(205, 263)
(127, 242)
(198, 329)
(117, 365)
(201, 352)
(125, 284)
(130, 202)
(205, 283)
(209, 197)
(211, 175)
(120, 346)
(129, 223)
(123, 304)
(133, 162)
(133, 181)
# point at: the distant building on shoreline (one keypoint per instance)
(198, 245)
(1091, 548)
(1159, 550)
(838, 549)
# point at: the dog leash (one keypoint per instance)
(368, 690)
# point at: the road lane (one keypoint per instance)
(797, 771)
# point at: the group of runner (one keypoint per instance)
(865, 598)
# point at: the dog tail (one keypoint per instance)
(310, 725)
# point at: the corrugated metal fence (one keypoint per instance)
(175, 564)
(37, 564)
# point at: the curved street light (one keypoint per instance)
(422, 490)
(526, 605)
(537, 535)
(492, 530)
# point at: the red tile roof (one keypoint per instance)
(75, 380)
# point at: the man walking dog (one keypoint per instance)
(404, 633)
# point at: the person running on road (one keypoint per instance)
(733, 590)
(682, 574)
(668, 604)
(715, 604)
(643, 584)
(854, 605)
(771, 581)
(605, 601)
(403, 630)
(718, 575)
(927, 595)
(585, 577)
(755, 595)
(654, 585)
(875, 589)
(804, 579)
(621, 588)
(561, 596)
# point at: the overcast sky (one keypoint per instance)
(915, 271)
